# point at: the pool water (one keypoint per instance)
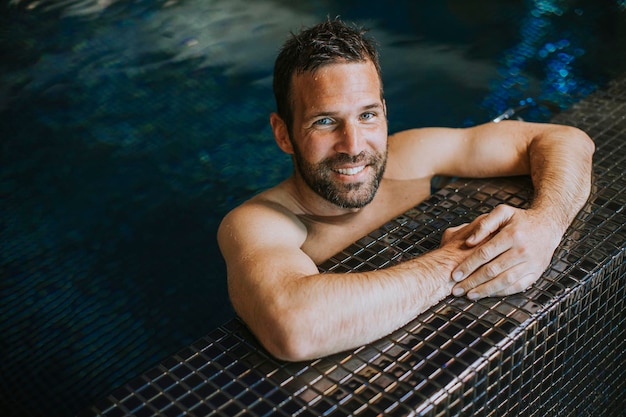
(129, 129)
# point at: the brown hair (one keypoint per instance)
(326, 43)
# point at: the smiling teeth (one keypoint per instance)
(350, 171)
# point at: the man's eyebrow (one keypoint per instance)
(321, 113)
(372, 106)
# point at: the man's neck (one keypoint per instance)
(315, 206)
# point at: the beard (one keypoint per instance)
(320, 178)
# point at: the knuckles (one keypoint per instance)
(492, 270)
(504, 210)
(484, 252)
(519, 235)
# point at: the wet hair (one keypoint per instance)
(329, 42)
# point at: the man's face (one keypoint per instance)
(340, 132)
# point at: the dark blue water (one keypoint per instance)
(129, 128)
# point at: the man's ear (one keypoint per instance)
(281, 134)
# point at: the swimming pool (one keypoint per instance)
(129, 129)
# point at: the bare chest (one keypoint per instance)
(326, 237)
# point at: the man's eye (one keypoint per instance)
(367, 115)
(324, 121)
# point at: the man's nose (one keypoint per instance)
(350, 142)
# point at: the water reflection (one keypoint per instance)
(239, 36)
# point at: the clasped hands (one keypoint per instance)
(503, 252)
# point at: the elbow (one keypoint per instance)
(291, 337)
(289, 348)
(571, 139)
(588, 148)
(286, 335)
(587, 145)
(284, 330)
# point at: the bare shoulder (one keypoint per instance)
(260, 222)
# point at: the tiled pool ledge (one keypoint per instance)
(557, 349)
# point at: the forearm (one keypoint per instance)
(329, 313)
(560, 167)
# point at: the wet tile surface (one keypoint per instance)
(558, 346)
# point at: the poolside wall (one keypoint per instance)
(556, 349)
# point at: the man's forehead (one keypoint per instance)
(332, 77)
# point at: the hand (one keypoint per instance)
(453, 241)
(453, 250)
(513, 248)
(458, 233)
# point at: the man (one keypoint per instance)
(350, 178)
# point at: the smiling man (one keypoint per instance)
(350, 178)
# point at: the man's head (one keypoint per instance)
(329, 90)
(326, 43)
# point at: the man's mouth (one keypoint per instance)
(350, 171)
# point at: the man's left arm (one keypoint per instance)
(516, 245)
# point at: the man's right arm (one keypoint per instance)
(298, 313)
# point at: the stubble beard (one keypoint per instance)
(353, 195)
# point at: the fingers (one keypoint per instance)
(508, 273)
(489, 251)
(487, 224)
(509, 282)
(499, 269)
(451, 232)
